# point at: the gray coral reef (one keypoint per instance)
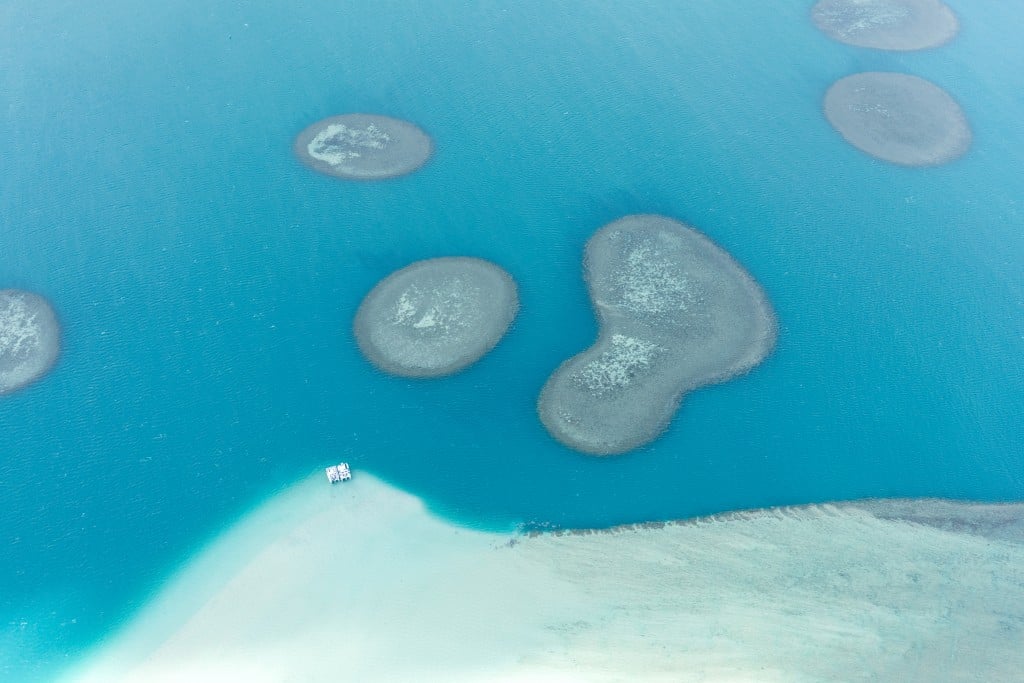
(436, 317)
(29, 338)
(676, 313)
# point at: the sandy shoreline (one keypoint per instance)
(360, 582)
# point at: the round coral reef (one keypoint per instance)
(436, 317)
(887, 24)
(363, 146)
(898, 118)
(29, 338)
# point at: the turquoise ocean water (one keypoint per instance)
(206, 280)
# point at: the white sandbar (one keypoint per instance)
(29, 338)
(887, 24)
(359, 582)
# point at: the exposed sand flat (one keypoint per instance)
(898, 118)
(436, 317)
(363, 146)
(29, 338)
(361, 583)
(887, 24)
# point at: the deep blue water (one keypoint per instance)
(206, 280)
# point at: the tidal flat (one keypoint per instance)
(893, 590)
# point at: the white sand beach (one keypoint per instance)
(359, 582)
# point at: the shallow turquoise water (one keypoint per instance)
(207, 281)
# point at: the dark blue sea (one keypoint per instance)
(206, 280)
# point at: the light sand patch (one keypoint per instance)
(361, 583)
(363, 146)
(29, 338)
(898, 118)
(887, 24)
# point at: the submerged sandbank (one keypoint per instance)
(436, 317)
(676, 313)
(361, 583)
(898, 118)
(363, 146)
(887, 24)
(29, 338)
